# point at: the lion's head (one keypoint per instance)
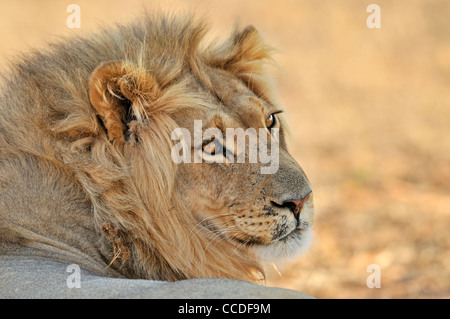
(158, 218)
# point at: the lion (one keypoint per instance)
(86, 172)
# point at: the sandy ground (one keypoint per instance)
(369, 111)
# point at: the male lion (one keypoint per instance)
(86, 173)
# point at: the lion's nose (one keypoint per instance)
(296, 205)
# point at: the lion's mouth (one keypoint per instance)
(281, 233)
(248, 242)
(286, 247)
(282, 237)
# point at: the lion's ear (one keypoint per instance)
(244, 54)
(120, 92)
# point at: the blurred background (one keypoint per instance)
(369, 111)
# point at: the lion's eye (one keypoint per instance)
(210, 148)
(271, 120)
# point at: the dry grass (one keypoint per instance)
(369, 111)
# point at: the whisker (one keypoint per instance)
(200, 223)
(220, 234)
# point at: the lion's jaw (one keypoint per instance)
(294, 239)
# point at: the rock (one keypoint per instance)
(37, 277)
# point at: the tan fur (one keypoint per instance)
(86, 172)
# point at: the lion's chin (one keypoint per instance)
(285, 249)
